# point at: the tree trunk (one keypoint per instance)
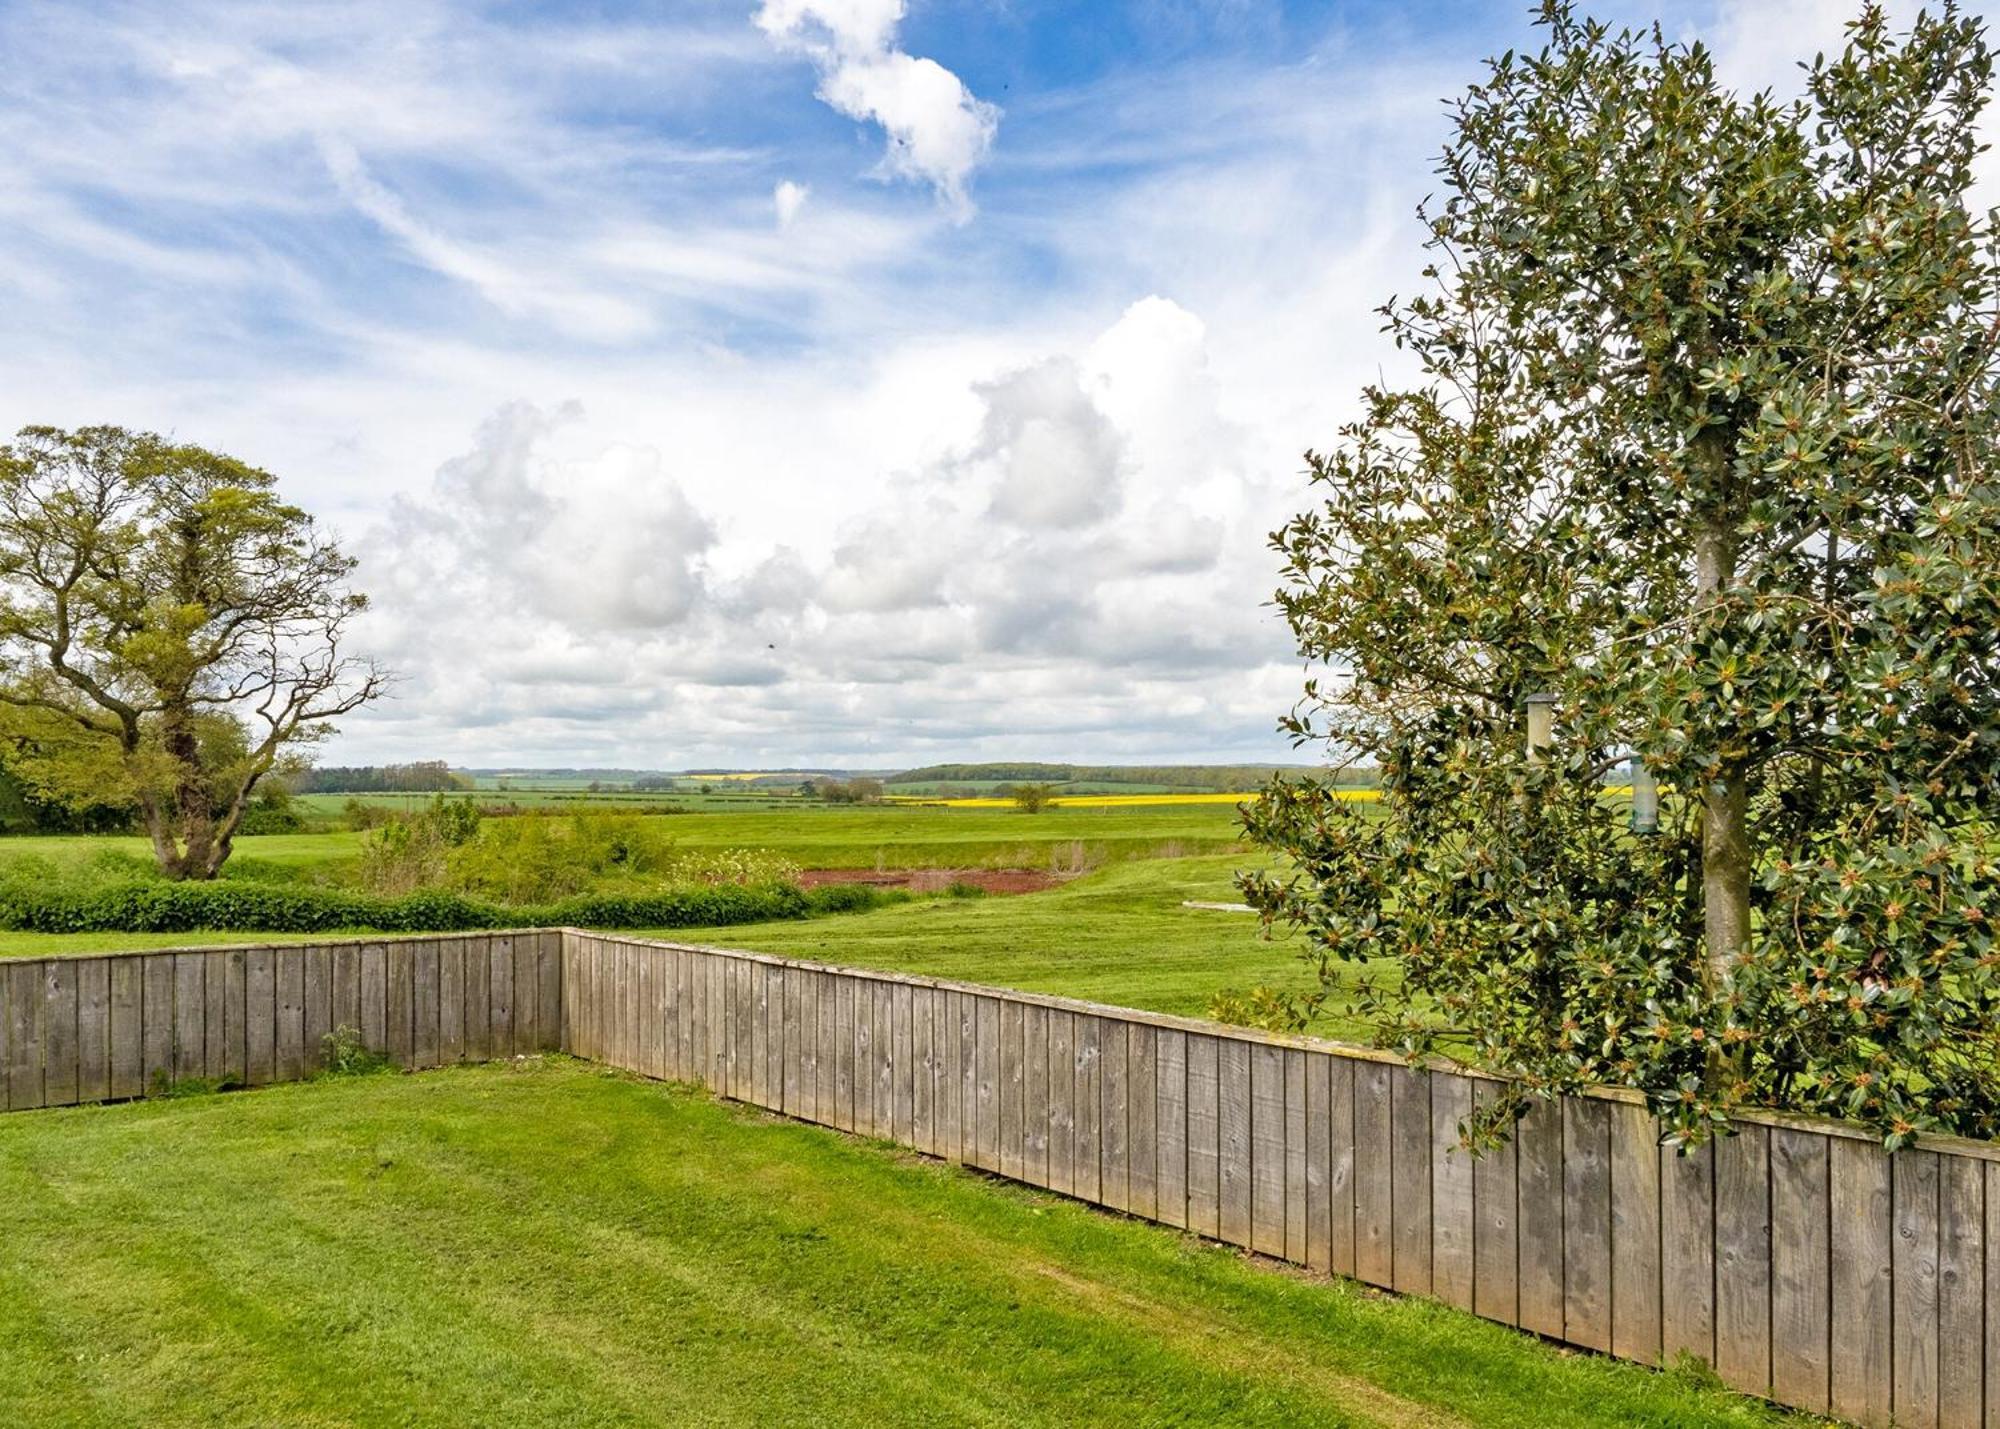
(1725, 824)
(192, 811)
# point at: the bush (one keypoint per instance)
(46, 905)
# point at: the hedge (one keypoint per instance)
(245, 906)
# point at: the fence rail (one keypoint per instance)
(1796, 1257)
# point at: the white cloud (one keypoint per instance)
(938, 131)
(788, 198)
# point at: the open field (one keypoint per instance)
(820, 836)
(420, 1249)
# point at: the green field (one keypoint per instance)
(819, 836)
(1119, 935)
(546, 1243)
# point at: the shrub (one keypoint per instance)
(157, 906)
(345, 1055)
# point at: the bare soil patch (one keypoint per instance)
(935, 880)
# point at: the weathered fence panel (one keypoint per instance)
(122, 1025)
(1796, 1257)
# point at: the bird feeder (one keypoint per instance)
(1541, 725)
(1645, 799)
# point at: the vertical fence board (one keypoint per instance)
(1035, 1095)
(1538, 1218)
(289, 1035)
(1295, 1155)
(1961, 1290)
(989, 1082)
(1142, 1073)
(478, 999)
(1114, 1119)
(923, 1054)
(425, 1020)
(1743, 1259)
(903, 1080)
(1204, 1137)
(1340, 1166)
(1992, 1420)
(1088, 1169)
(1170, 1126)
(1587, 1222)
(549, 990)
(234, 1018)
(845, 1036)
(1496, 1234)
(1232, 1157)
(1913, 1177)
(1635, 1234)
(222, 1015)
(190, 1014)
(6, 1036)
(451, 1000)
(1452, 1213)
(261, 1015)
(1319, 1161)
(1374, 1192)
(316, 1003)
(948, 1035)
(26, 1088)
(968, 1079)
(403, 1003)
(1012, 1087)
(1267, 1149)
(156, 996)
(93, 1029)
(1410, 1178)
(823, 991)
(1801, 1269)
(346, 999)
(373, 976)
(500, 1000)
(128, 1028)
(59, 1031)
(1062, 1102)
(527, 999)
(1687, 1253)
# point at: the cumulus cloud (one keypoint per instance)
(1021, 584)
(938, 132)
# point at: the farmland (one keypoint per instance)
(393, 1250)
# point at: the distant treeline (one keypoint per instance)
(426, 776)
(1223, 778)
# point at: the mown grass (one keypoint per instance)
(550, 1244)
(1120, 935)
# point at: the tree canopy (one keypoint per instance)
(170, 631)
(1702, 458)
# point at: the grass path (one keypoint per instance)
(547, 1243)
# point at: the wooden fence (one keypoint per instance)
(1795, 1257)
(99, 1028)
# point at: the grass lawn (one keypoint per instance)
(547, 1243)
(1119, 935)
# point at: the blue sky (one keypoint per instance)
(763, 382)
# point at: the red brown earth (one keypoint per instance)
(934, 880)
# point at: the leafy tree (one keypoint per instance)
(1033, 798)
(1704, 454)
(169, 626)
